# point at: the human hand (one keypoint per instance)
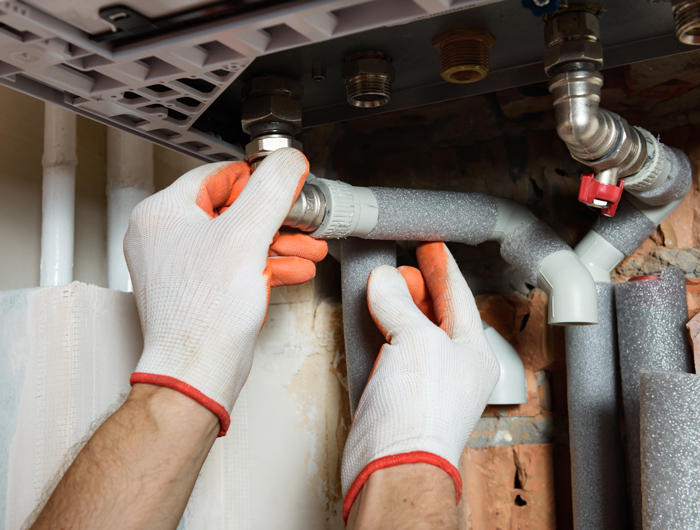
(203, 255)
(430, 382)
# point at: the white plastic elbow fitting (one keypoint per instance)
(598, 255)
(511, 388)
(573, 299)
(350, 210)
(511, 215)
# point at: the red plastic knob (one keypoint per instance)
(591, 190)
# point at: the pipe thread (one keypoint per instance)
(687, 15)
(368, 90)
(464, 61)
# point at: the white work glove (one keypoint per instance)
(202, 267)
(430, 384)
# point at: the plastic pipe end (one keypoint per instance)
(511, 388)
(573, 299)
(350, 210)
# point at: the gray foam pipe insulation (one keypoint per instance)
(362, 337)
(597, 457)
(670, 448)
(389, 214)
(651, 318)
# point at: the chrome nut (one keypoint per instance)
(576, 23)
(264, 145)
(572, 51)
(271, 108)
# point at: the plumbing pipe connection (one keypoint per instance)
(470, 218)
(129, 181)
(621, 156)
(58, 196)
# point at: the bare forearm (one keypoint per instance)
(413, 496)
(138, 469)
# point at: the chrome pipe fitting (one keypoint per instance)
(368, 77)
(309, 210)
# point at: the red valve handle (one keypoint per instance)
(591, 189)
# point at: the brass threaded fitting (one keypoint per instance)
(464, 54)
(687, 15)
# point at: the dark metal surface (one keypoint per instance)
(631, 31)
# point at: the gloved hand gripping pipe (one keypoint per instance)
(621, 156)
(470, 218)
(597, 459)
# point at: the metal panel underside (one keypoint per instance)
(181, 89)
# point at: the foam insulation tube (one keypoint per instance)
(470, 218)
(129, 181)
(670, 449)
(363, 339)
(597, 457)
(58, 196)
(598, 471)
(651, 317)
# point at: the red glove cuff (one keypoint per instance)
(414, 457)
(190, 391)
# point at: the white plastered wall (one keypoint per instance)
(279, 465)
(21, 146)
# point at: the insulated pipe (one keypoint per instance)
(597, 457)
(597, 460)
(670, 449)
(470, 218)
(651, 317)
(129, 181)
(363, 339)
(58, 196)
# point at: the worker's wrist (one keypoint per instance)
(171, 411)
(411, 464)
(401, 492)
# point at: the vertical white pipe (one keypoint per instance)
(58, 196)
(129, 181)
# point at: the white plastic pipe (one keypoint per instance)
(511, 388)
(58, 196)
(129, 181)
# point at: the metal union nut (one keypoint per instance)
(264, 145)
(271, 99)
(271, 108)
(579, 22)
(570, 51)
